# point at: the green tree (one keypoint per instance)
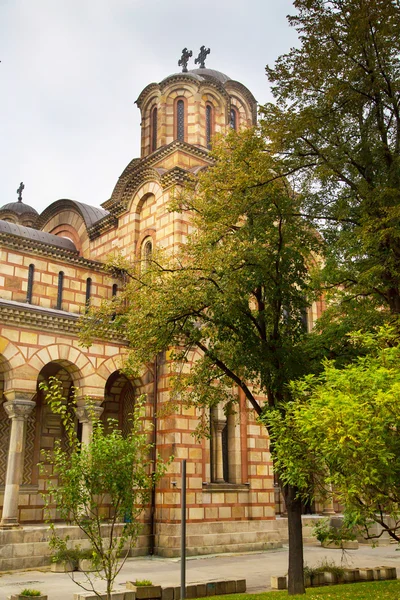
(236, 292)
(336, 124)
(110, 469)
(342, 430)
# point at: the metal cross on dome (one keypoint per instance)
(20, 190)
(183, 61)
(200, 60)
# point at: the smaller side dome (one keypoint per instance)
(19, 213)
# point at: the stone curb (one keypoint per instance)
(157, 592)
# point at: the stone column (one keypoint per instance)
(18, 410)
(86, 413)
(328, 503)
(219, 425)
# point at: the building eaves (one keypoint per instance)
(14, 313)
(34, 247)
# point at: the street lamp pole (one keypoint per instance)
(183, 531)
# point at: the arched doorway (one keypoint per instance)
(119, 401)
(49, 426)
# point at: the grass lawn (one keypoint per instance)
(375, 590)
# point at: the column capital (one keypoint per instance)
(219, 424)
(89, 412)
(19, 409)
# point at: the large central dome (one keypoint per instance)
(192, 106)
(204, 72)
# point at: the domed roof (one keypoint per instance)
(37, 236)
(19, 208)
(200, 74)
(207, 73)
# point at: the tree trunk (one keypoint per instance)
(296, 566)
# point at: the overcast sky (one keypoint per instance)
(71, 70)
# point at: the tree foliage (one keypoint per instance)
(336, 125)
(236, 291)
(342, 430)
(229, 305)
(111, 469)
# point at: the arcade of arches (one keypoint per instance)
(53, 267)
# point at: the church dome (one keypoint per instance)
(19, 208)
(18, 212)
(200, 74)
(192, 106)
(206, 73)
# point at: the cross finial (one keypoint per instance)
(184, 59)
(200, 60)
(19, 191)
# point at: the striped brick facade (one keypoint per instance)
(39, 334)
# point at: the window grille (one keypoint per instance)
(60, 289)
(233, 122)
(180, 121)
(209, 124)
(29, 290)
(88, 292)
(154, 129)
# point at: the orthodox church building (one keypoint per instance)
(52, 268)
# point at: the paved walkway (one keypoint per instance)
(256, 568)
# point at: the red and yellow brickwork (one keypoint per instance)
(229, 507)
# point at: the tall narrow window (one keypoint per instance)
(147, 252)
(60, 289)
(29, 289)
(88, 292)
(180, 121)
(209, 124)
(234, 119)
(154, 129)
(114, 295)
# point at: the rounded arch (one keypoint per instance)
(67, 231)
(11, 356)
(72, 359)
(147, 234)
(115, 364)
(148, 196)
(89, 214)
(14, 371)
(140, 194)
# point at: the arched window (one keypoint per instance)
(88, 292)
(209, 124)
(60, 289)
(180, 120)
(29, 289)
(146, 252)
(234, 119)
(153, 128)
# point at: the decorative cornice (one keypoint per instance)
(175, 176)
(105, 224)
(17, 242)
(45, 319)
